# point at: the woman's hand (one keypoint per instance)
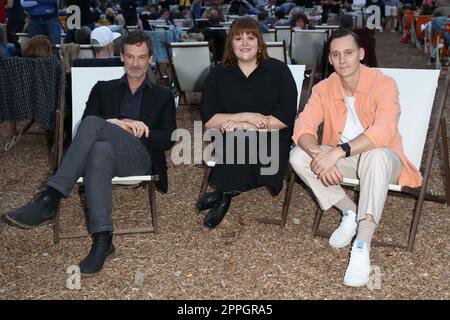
(231, 125)
(257, 119)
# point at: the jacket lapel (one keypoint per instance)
(116, 99)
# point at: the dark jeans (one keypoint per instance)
(99, 152)
(13, 27)
(49, 27)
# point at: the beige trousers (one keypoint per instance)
(375, 169)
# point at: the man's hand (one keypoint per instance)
(325, 160)
(333, 177)
(313, 151)
(136, 128)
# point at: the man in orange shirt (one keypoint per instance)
(360, 110)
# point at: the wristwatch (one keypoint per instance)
(346, 148)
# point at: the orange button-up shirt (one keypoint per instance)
(378, 110)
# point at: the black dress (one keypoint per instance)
(270, 90)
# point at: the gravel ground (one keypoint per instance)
(241, 259)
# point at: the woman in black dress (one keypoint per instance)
(248, 92)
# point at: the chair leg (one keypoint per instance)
(204, 185)
(56, 142)
(287, 198)
(443, 126)
(316, 224)
(152, 202)
(287, 201)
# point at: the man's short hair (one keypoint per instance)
(135, 37)
(340, 33)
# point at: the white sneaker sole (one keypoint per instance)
(342, 245)
(356, 284)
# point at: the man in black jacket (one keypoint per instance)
(126, 128)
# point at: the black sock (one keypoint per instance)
(55, 195)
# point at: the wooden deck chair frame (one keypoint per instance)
(419, 194)
(295, 69)
(280, 36)
(330, 28)
(173, 70)
(78, 105)
(281, 45)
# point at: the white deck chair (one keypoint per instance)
(232, 17)
(83, 79)
(329, 27)
(269, 36)
(190, 64)
(86, 51)
(277, 50)
(22, 38)
(298, 72)
(131, 28)
(226, 28)
(178, 23)
(417, 94)
(283, 33)
(307, 46)
(225, 24)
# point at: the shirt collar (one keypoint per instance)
(146, 84)
(264, 65)
(364, 83)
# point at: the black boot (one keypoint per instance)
(208, 200)
(216, 214)
(102, 248)
(39, 212)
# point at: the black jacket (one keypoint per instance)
(157, 112)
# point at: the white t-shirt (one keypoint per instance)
(353, 127)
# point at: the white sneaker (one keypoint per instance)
(358, 270)
(344, 234)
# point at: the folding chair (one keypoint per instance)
(269, 36)
(86, 51)
(189, 65)
(417, 91)
(307, 46)
(420, 21)
(283, 33)
(83, 79)
(277, 50)
(298, 72)
(328, 27)
(226, 28)
(178, 23)
(31, 89)
(22, 38)
(232, 17)
(154, 23)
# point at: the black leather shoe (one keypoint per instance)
(39, 212)
(216, 214)
(208, 200)
(102, 248)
